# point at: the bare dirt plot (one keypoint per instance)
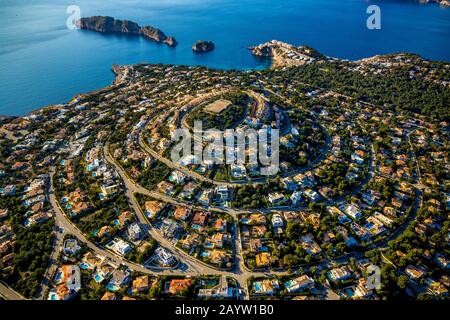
(217, 106)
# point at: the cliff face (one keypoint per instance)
(111, 25)
(203, 46)
(157, 35)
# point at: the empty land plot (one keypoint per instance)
(217, 106)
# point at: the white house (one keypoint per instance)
(296, 197)
(277, 221)
(276, 198)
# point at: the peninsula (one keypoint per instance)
(106, 24)
(92, 198)
(285, 54)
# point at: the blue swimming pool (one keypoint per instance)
(98, 278)
(208, 245)
(53, 296)
(257, 286)
(289, 283)
(84, 266)
(112, 287)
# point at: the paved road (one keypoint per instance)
(195, 267)
(63, 221)
(9, 294)
(197, 176)
(240, 272)
(53, 263)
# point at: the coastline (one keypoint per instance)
(24, 88)
(117, 70)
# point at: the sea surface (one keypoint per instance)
(42, 62)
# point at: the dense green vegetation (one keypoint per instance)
(395, 89)
(154, 175)
(32, 248)
(142, 256)
(227, 118)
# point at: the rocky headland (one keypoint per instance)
(104, 24)
(284, 54)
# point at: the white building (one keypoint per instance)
(276, 198)
(296, 197)
(119, 246)
(277, 221)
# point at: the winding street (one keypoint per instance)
(194, 267)
(9, 294)
(194, 103)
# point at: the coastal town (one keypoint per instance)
(93, 207)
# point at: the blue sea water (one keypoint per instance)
(42, 62)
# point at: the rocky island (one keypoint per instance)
(376, 130)
(203, 46)
(105, 24)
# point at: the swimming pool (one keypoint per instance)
(53, 296)
(257, 286)
(112, 287)
(58, 276)
(98, 278)
(244, 220)
(84, 266)
(369, 225)
(290, 283)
